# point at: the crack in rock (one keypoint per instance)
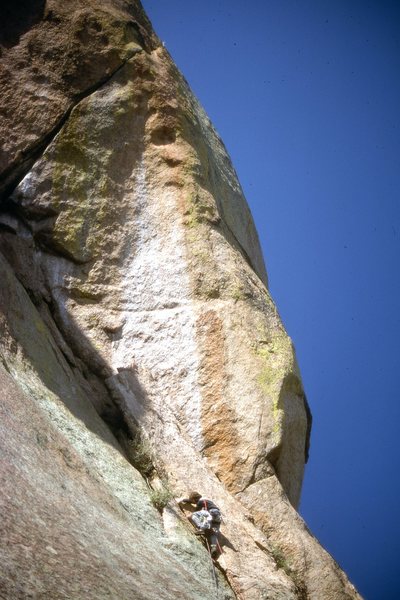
(13, 175)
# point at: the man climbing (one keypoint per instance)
(207, 519)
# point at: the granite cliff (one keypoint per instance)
(141, 352)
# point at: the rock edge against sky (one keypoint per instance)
(135, 306)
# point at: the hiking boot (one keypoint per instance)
(199, 532)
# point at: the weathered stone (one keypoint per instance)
(111, 207)
(141, 306)
(53, 54)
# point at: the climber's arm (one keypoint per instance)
(182, 501)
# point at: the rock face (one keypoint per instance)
(135, 314)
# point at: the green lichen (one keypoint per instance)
(40, 326)
(237, 293)
(266, 380)
(276, 358)
(86, 163)
(200, 209)
(80, 189)
(191, 219)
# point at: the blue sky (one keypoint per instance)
(306, 96)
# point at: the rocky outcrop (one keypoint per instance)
(137, 308)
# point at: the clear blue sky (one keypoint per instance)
(306, 96)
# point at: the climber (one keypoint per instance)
(207, 519)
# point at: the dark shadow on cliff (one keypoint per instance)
(110, 404)
(225, 542)
(18, 17)
(26, 236)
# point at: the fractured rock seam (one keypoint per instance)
(14, 173)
